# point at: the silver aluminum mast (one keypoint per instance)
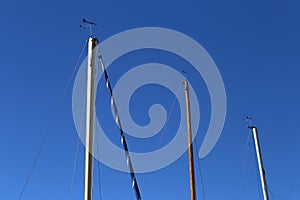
(88, 174)
(260, 163)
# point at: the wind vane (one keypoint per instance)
(89, 25)
(249, 120)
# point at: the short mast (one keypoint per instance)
(190, 143)
(88, 174)
(260, 163)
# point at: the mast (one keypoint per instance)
(260, 163)
(88, 174)
(190, 144)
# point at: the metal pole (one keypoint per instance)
(190, 144)
(260, 163)
(88, 175)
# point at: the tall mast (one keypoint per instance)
(260, 163)
(190, 144)
(88, 174)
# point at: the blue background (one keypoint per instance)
(255, 45)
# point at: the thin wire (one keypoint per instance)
(244, 163)
(51, 124)
(169, 114)
(272, 195)
(200, 173)
(76, 152)
(258, 187)
(99, 180)
(74, 169)
(98, 148)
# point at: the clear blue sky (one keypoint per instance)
(255, 45)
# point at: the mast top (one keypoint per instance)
(89, 25)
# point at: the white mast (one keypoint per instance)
(260, 163)
(88, 175)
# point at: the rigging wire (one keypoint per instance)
(123, 140)
(49, 130)
(169, 114)
(272, 195)
(99, 180)
(244, 163)
(76, 152)
(200, 172)
(74, 169)
(98, 146)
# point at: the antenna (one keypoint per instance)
(89, 25)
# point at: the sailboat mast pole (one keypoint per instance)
(260, 163)
(190, 144)
(88, 174)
